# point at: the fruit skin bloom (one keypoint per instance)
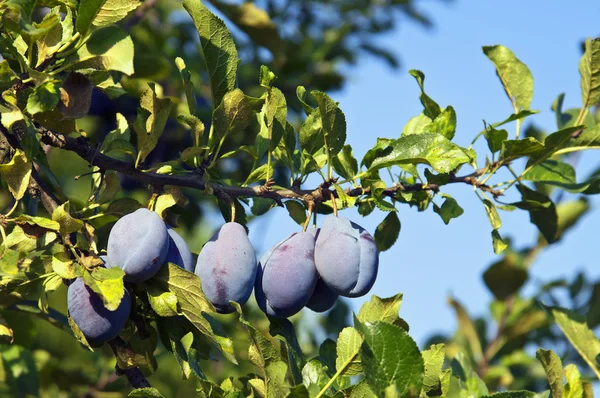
(346, 257)
(287, 276)
(96, 322)
(138, 244)
(179, 252)
(227, 267)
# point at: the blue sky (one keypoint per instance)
(430, 260)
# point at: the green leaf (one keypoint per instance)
(542, 211)
(497, 242)
(554, 370)
(163, 303)
(194, 305)
(297, 211)
(255, 22)
(588, 139)
(45, 223)
(514, 149)
(515, 76)
(444, 123)
(19, 371)
(433, 359)
(152, 117)
(102, 12)
(347, 360)
(186, 77)
(574, 386)
(516, 394)
(311, 133)
(68, 224)
(344, 163)
(387, 232)
(260, 173)
(218, 48)
(569, 213)
(381, 309)
(429, 148)
(272, 121)
(492, 214)
(44, 98)
(235, 113)
(150, 392)
(417, 125)
(333, 121)
(467, 329)
(50, 41)
(495, 138)
(576, 330)
(431, 108)
(450, 209)
(506, 276)
(7, 76)
(384, 344)
(109, 48)
(6, 333)
(261, 351)
(17, 173)
(283, 330)
(108, 284)
(589, 69)
(314, 377)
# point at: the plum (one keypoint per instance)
(346, 257)
(138, 244)
(323, 298)
(227, 267)
(97, 323)
(179, 252)
(287, 276)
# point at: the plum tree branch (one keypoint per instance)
(194, 180)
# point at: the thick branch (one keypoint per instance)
(317, 195)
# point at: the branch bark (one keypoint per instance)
(193, 180)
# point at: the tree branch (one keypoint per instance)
(193, 180)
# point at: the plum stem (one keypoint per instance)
(334, 204)
(311, 206)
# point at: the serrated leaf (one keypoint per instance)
(235, 113)
(417, 125)
(429, 148)
(384, 344)
(431, 108)
(344, 163)
(272, 120)
(333, 122)
(449, 209)
(581, 337)
(109, 48)
(218, 48)
(515, 76)
(542, 211)
(145, 392)
(151, 120)
(108, 284)
(261, 351)
(163, 303)
(347, 360)
(297, 211)
(17, 173)
(381, 309)
(387, 232)
(433, 359)
(194, 305)
(589, 69)
(283, 330)
(553, 368)
(314, 376)
(311, 133)
(102, 12)
(468, 329)
(44, 98)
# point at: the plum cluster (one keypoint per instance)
(308, 269)
(139, 243)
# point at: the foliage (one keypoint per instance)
(52, 63)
